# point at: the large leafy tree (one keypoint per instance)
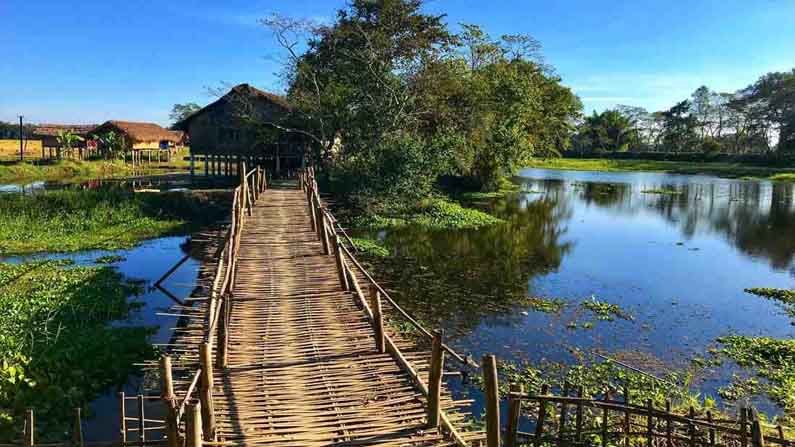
(610, 130)
(181, 111)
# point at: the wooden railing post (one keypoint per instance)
(193, 425)
(563, 414)
(492, 393)
(605, 417)
(141, 419)
(323, 234)
(669, 425)
(30, 429)
(435, 380)
(757, 436)
(340, 264)
(743, 427)
(206, 395)
(514, 411)
(77, 434)
(578, 417)
(169, 400)
(649, 423)
(221, 354)
(627, 426)
(542, 415)
(122, 417)
(378, 317)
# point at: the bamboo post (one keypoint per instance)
(605, 416)
(122, 417)
(169, 400)
(757, 437)
(669, 426)
(221, 354)
(563, 411)
(578, 417)
(324, 235)
(206, 396)
(435, 380)
(649, 423)
(30, 429)
(193, 426)
(77, 435)
(514, 411)
(542, 415)
(711, 429)
(627, 427)
(692, 427)
(492, 393)
(378, 317)
(141, 419)
(340, 264)
(743, 427)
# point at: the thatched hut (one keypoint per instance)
(245, 124)
(138, 136)
(48, 134)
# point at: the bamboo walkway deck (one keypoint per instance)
(303, 367)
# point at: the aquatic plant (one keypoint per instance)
(784, 297)
(370, 247)
(57, 345)
(546, 305)
(109, 259)
(605, 311)
(109, 218)
(662, 191)
(435, 213)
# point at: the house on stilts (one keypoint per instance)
(244, 125)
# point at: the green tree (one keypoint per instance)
(67, 140)
(609, 131)
(181, 111)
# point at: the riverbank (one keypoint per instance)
(108, 218)
(74, 169)
(726, 170)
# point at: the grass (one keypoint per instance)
(72, 220)
(784, 297)
(435, 213)
(730, 170)
(75, 169)
(58, 345)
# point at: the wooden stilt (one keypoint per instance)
(30, 429)
(435, 380)
(193, 426)
(378, 318)
(206, 395)
(122, 417)
(77, 433)
(514, 411)
(492, 394)
(169, 401)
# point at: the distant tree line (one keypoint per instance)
(759, 119)
(10, 131)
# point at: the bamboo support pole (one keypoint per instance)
(605, 417)
(378, 319)
(77, 434)
(578, 417)
(340, 264)
(691, 428)
(169, 401)
(30, 428)
(193, 426)
(222, 355)
(324, 235)
(649, 423)
(542, 416)
(712, 437)
(141, 419)
(669, 429)
(743, 427)
(492, 395)
(757, 436)
(627, 427)
(514, 411)
(206, 394)
(435, 380)
(563, 415)
(122, 417)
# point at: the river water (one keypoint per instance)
(677, 263)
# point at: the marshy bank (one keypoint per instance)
(78, 269)
(74, 170)
(583, 266)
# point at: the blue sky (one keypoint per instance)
(90, 60)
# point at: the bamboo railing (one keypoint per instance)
(324, 224)
(572, 420)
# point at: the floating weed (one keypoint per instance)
(546, 305)
(370, 247)
(109, 259)
(784, 297)
(662, 191)
(605, 311)
(435, 213)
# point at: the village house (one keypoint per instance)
(142, 140)
(48, 135)
(244, 125)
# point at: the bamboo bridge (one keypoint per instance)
(290, 342)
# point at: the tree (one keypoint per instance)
(609, 131)
(679, 128)
(67, 140)
(181, 111)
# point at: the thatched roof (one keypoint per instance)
(237, 92)
(138, 132)
(52, 130)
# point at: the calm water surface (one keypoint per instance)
(677, 263)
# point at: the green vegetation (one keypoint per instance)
(786, 298)
(436, 213)
(109, 259)
(71, 220)
(730, 170)
(772, 359)
(63, 169)
(546, 305)
(57, 345)
(370, 247)
(605, 311)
